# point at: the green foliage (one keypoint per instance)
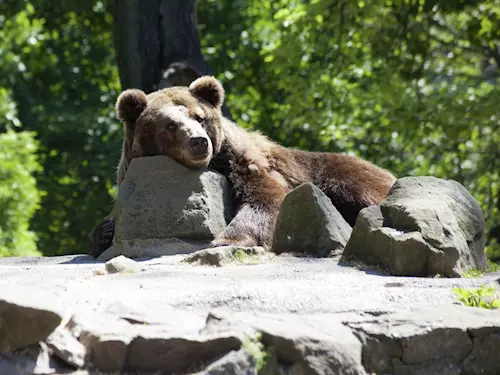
(480, 297)
(58, 63)
(240, 255)
(493, 250)
(19, 197)
(492, 267)
(254, 347)
(472, 273)
(245, 256)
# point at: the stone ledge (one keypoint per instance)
(289, 314)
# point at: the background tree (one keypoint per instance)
(63, 82)
(19, 197)
(157, 44)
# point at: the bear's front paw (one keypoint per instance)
(101, 237)
(242, 241)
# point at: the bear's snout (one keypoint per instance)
(199, 146)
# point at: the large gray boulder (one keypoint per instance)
(425, 227)
(165, 208)
(309, 223)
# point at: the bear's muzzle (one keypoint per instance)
(199, 146)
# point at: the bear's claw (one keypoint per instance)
(101, 237)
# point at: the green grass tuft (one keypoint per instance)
(256, 349)
(473, 273)
(492, 266)
(240, 255)
(483, 297)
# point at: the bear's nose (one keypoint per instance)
(199, 145)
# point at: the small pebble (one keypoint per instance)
(122, 264)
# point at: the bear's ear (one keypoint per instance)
(208, 88)
(130, 105)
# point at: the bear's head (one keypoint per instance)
(184, 123)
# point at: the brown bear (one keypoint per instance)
(186, 123)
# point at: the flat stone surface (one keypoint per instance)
(282, 285)
(313, 315)
(152, 247)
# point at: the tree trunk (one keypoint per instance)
(157, 44)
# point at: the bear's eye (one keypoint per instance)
(200, 119)
(172, 127)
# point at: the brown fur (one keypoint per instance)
(260, 171)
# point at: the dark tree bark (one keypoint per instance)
(157, 44)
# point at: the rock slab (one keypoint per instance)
(25, 318)
(309, 223)
(286, 316)
(425, 227)
(163, 204)
(431, 341)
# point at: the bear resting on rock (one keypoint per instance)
(186, 124)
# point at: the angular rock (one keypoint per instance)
(67, 347)
(162, 199)
(234, 363)
(310, 351)
(122, 264)
(172, 354)
(105, 340)
(425, 227)
(223, 255)
(440, 367)
(431, 341)
(308, 222)
(326, 348)
(484, 356)
(107, 353)
(26, 318)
